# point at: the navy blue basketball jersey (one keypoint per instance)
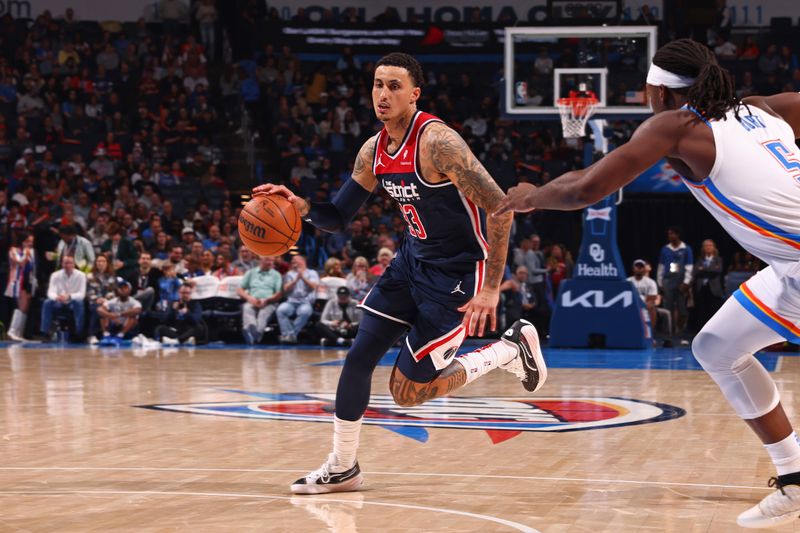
(444, 226)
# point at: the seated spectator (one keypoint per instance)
(770, 62)
(359, 279)
(747, 87)
(145, 282)
(724, 49)
(212, 241)
(385, 256)
(188, 238)
(338, 324)
(646, 287)
(176, 259)
(749, 49)
(119, 316)
(299, 286)
(332, 280)
(120, 252)
(184, 323)
(150, 231)
(161, 248)
(261, 289)
(224, 266)
(100, 286)
(207, 263)
(76, 246)
(65, 292)
(102, 165)
(246, 260)
(660, 318)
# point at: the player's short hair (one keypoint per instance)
(399, 59)
(712, 94)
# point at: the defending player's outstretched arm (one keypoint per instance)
(450, 155)
(658, 137)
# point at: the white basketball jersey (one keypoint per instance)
(753, 189)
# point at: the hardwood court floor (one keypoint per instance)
(80, 453)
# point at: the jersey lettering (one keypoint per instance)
(785, 156)
(751, 122)
(401, 192)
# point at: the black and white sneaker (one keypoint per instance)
(329, 478)
(528, 365)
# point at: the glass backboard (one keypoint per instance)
(544, 64)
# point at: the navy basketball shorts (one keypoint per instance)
(425, 298)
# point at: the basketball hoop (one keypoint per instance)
(575, 112)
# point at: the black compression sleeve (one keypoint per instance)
(334, 216)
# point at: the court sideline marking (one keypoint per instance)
(502, 521)
(417, 474)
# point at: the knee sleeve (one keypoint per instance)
(375, 337)
(725, 347)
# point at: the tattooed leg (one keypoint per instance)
(408, 393)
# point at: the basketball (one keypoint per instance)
(269, 225)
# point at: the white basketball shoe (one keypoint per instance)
(330, 477)
(528, 365)
(780, 507)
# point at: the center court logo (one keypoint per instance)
(501, 417)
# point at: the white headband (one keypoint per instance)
(658, 76)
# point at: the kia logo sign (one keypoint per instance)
(596, 299)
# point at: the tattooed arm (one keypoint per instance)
(444, 151)
(362, 168)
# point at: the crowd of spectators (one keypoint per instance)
(112, 174)
(106, 130)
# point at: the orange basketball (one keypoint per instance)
(269, 225)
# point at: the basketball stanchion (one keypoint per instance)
(598, 307)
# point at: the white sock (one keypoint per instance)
(484, 359)
(785, 454)
(345, 441)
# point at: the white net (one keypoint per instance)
(575, 112)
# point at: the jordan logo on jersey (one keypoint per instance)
(457, 289)
(379, 163)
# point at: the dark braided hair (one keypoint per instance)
(712, 94)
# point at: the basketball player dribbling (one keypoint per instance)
(739, 159)
(443, 283)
